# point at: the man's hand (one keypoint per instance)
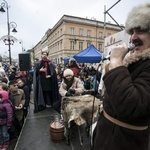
(68, 94)
(48, 76)
(72, 91)
(19, 107)
(43, 69)
(117, 55)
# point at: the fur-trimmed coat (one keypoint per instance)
(127, 98)
(77, 85)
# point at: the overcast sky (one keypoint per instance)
(35, 17)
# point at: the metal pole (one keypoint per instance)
(8, 27)
(22, 46)
(106, 11)
(104, 21)
(113, 6)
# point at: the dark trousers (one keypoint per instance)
(57, 106)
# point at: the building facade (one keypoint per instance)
(71, 35)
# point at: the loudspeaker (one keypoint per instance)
(24, 61)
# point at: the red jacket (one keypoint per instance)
(75, 71)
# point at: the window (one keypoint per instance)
(55, 35)
(61, 45)
(80, 32)
(100, 35)
(72, 45)
(80, 46)
(88, 44)
(72, 31)
(89, 33)
(100, 47)
(60, 32)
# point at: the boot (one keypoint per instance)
(5, 146)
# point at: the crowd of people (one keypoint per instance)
(123, 84)
(14, 102)
(49, 83)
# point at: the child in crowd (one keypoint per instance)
(6, 114)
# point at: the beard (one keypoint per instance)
(69, 82)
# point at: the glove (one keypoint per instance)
(72, 91)
(68, 94)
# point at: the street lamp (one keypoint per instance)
(12, 25)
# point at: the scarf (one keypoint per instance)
(45, 64)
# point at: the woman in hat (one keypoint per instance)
(73, 65)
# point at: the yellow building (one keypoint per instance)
(72, 34)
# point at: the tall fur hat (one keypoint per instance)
(68, 72)
(45, 52)
(138, 17)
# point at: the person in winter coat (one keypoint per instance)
(25, 88)
(70, 86)
(73, 65)
(13, 74)
(5, 120)
(125, 119)
(18, 97)
(45, 84)
(2, 71)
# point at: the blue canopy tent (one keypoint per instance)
(89, 55)
(66, 59)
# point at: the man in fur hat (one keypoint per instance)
(124, 122)
(45, 84)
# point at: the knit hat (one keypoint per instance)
(68, 72)
(138, 17)
(4, 95)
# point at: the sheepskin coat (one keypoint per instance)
(77, 85)
(127, 98)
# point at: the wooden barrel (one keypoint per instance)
(57, 134)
